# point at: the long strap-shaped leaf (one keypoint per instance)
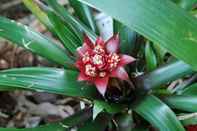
(158, 114)
(127, 37)
(161, 21)
(50, 80)
(85, 14)
(99, 124)
(162, 75)
(150, 56)
(33, 41)
(181, 102)
(69, 19)
(67, 37)
(41, 15)
(64, 125)
(190, 91)
(53, 23)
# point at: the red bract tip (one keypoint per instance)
(100, 61)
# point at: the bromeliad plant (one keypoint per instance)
(100, 61)
(136, 91)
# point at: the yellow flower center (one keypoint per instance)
(90, 70)
(98, 59)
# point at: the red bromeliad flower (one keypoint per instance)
(97, 62)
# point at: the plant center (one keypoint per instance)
(99, 63)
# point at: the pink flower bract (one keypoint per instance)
(100, 61)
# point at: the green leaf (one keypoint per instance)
(160, 53)
(187, 4)
(127, 37)
(53, 23)
(85, 14)
(39, 13)
(161, 21)
(151, 60)
(99, 124)
(74, 23)
(48, 127)
(191, 90)
(33, 41)
(42, 79)
(162, 75)
(158, 114)
(140, 129)
(64, 125)
(185, 103)
(109, 107)
(188, 119)
(97, 108)
(124, 121)
(194, 13)
(68, 38)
